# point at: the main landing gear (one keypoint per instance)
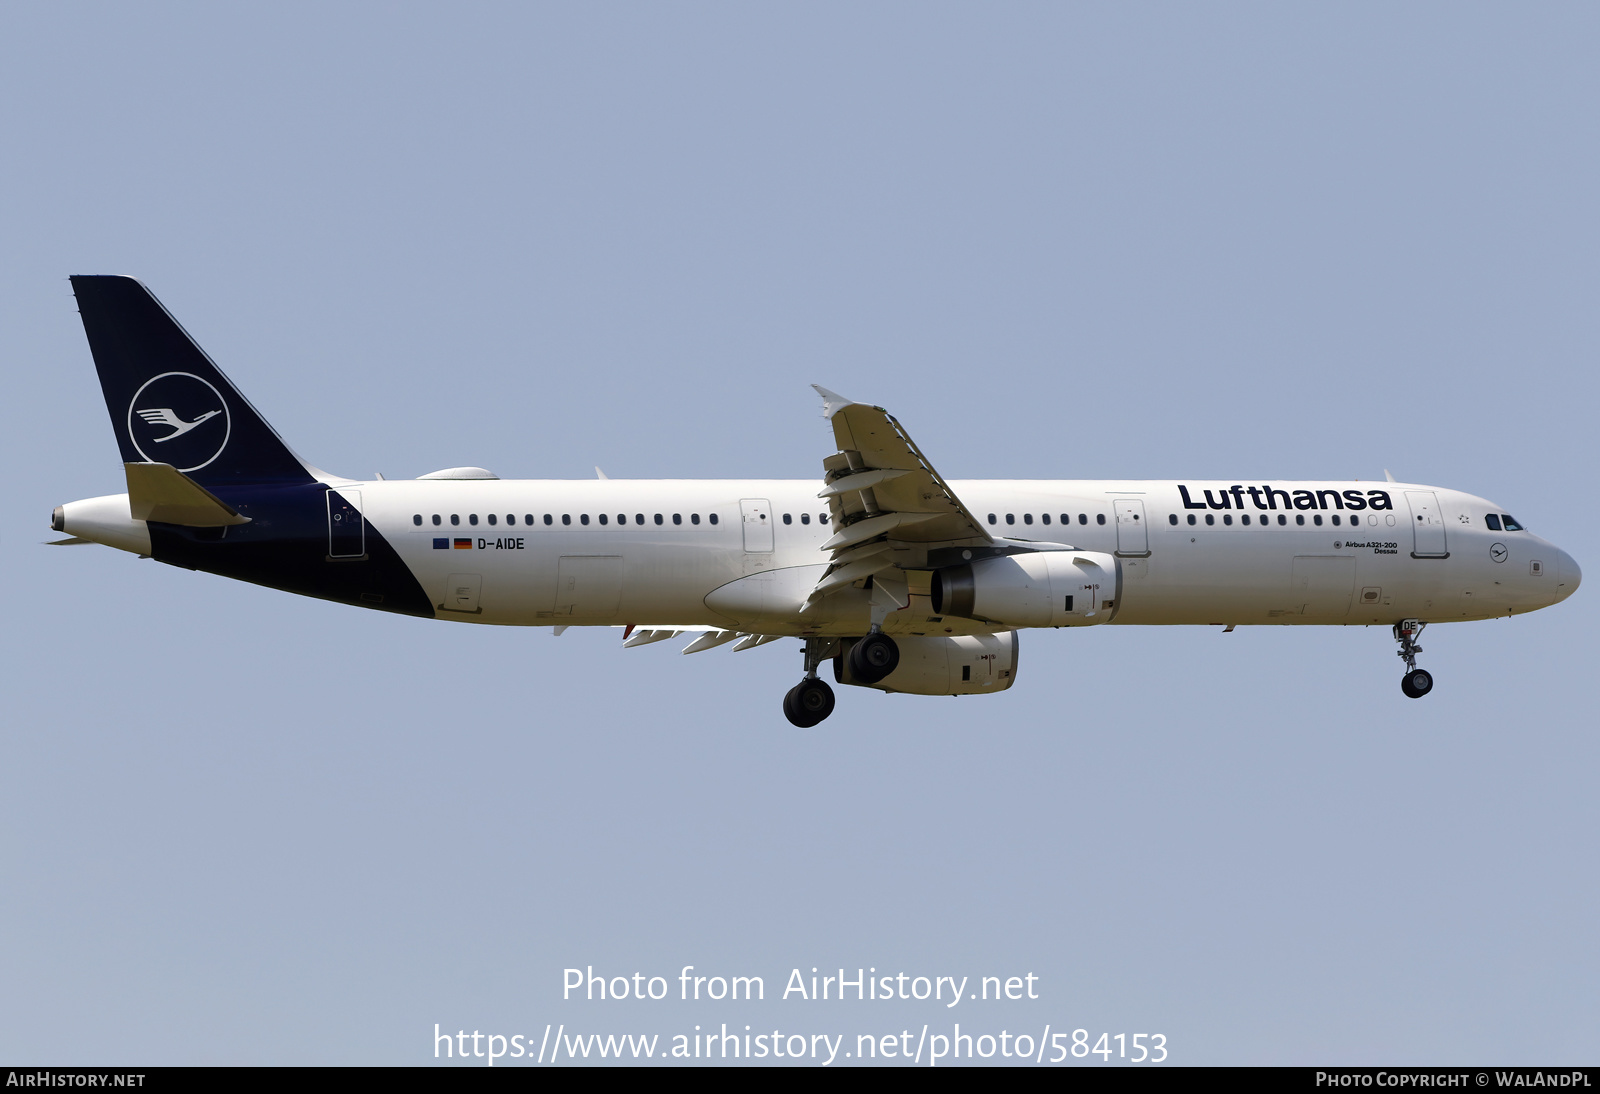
(811, 700)
(1416, 682)
(874, 657)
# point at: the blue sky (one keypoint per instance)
(1056, 241)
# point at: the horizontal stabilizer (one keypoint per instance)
(160, 492)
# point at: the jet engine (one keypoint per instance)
(1039, 589)
(956, 665)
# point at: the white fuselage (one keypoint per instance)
(645, 552)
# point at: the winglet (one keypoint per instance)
(599, 474)
(1388, 476)
(832, 401)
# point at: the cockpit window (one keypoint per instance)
(1493, 521)
(1511, 524)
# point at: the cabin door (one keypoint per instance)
(1427, 525)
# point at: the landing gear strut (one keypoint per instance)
(1416, 682)
(811, 700)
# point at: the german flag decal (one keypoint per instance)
(463, 545)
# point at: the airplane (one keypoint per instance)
(907, 582)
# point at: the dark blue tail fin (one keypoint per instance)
(168, 402)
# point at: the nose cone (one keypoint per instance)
(1568, 576)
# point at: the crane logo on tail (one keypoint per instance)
(165, 416)
(182, 414)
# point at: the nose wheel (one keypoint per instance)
(1416, 682)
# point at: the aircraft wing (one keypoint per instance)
(885, 498)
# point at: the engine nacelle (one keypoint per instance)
(1041, 589)
(976, 664)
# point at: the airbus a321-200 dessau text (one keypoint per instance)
(904, 581)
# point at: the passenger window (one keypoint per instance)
(602, 519)
(1336, 520)
(822, 518)
(677, 518)
(638, 518)
(1299, 518)
(712, 518)
(493, 519)
(622, 518)
(658, 518)
(1083, 518)
(1045, 517)
(1172, 518)
(1191, 518)
(1317, 520)
(991, 518)
(1011, 518)
(472, 519)
(805, 518)
(527, 518)
(583, 518)
(1027, 518)
(1282, 519)
(1510, 524)
(547, 520)
(1227, 518)
(417, 520)
(1493, 521)
(566, 518)
(694, 518)
(1245, 519)
(1210, 519)
(1099, 518)
(436, 519)
(787, 519)
(455, 518)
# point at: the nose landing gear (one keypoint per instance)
(811, 700)
(1416, 682)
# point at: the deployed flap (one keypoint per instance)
(160, 492)
(880, 488)
(871, 440)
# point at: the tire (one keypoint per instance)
(1417, 683)
(873, 658)
(792, 711)
(808, 703)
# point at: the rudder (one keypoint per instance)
(169, 403)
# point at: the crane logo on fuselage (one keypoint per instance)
(180, 419)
